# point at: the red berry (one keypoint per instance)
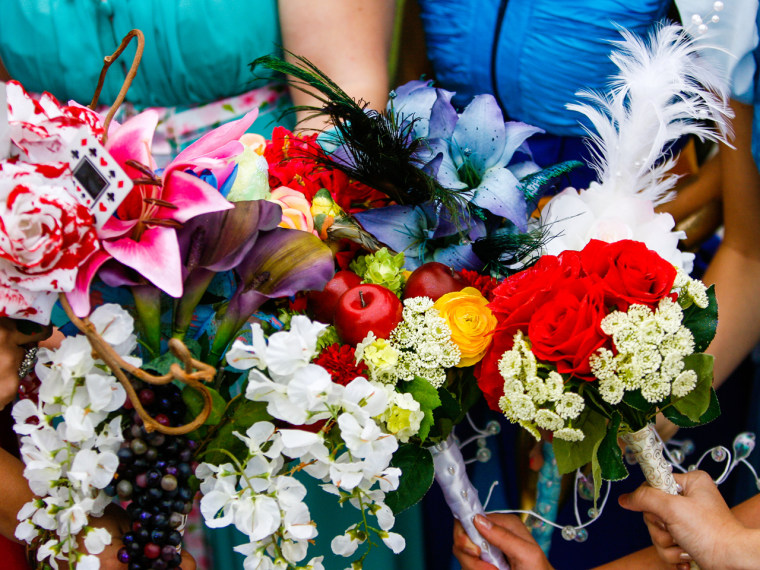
(152, 550)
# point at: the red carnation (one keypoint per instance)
(340, 362)
(483, 283)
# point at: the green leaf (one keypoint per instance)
(702, 322)
(225, 439)
(694, 404)
(248, 413)
(161, 364)
(609, 454)
(465, 390)
(712, 412)
(416, 464)
(572, 455)
(194, 402)
(637, 401)
(428, 398)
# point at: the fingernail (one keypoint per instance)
(662, 526)
(623, 500)
(472, 551)
(685, 556)
(679, 488)
(482, 522)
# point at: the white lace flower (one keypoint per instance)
(555, 386)
(569, 406)
(611, 390)
(684, 383)
(655, 388)
(569, 434)
(549, 420)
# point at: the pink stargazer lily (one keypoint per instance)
(142, 234)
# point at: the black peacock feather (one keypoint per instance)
(381, 146)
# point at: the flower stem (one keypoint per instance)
(148, 306)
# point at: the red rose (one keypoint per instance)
(519, 290)
(630, 272)
(565, 329)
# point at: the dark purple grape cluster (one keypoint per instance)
(153, 475)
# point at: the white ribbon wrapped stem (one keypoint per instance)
(647, 448)
(462, 497)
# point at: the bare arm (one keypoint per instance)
(735, 269)
(349, 41)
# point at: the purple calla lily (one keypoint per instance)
(216, 242)
(282, 263)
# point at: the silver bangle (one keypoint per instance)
(27, 364)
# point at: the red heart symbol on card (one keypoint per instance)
(121, 184)
(102, 207)
(84, 142)
(103, 161)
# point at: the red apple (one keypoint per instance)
(321, 304)
(366, 308)
(433, 280)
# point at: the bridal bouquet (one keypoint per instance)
(607, 329)
(591, 345)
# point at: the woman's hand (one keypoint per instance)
(697, 524)
(13, 344)
(508, 534)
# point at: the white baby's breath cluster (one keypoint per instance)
(420, 345)
(651, 346)
(534, 396)
(260, 496)
(69, 441)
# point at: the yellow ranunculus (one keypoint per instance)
(471, 323)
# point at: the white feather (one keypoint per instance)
(662, 92)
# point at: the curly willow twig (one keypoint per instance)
(185, 374)
(107, 61)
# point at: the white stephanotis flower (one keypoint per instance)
(262, 438)
(347, 543)
(298, 442)
(246, 356)
(105, 393)
(283, 353)
(116, 326)
(92, 468)
(96, 540)
(365, 399)
(88, 562)
(573, 218)
(365, 440)
(393, 540)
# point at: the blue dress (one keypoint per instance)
(534, 56)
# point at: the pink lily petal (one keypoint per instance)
(79, 297)
(192, 196)
(115, 228)
(155, 257)
(216, 139)
(133, 142)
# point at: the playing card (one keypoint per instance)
(101, 183)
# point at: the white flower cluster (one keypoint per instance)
(69, 445)
(536, 398)
(650, 347)
(420, 345)
(690, 291)
(259, 496)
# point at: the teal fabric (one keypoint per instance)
(547, 50)
(196, 51)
